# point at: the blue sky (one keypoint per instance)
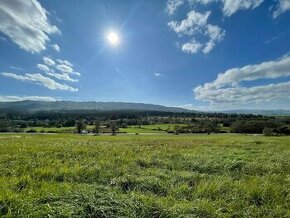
(199, 54)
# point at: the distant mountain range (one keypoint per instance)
(34, 106)
(261, 112)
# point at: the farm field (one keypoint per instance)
(69, 175)
(154, 128)
(55, 129)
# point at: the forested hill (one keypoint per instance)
(34, 106)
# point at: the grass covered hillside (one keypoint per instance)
(144, 176)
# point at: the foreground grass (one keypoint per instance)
(144, 176)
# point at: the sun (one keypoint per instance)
(113, 38)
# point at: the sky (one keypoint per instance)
(197, 54)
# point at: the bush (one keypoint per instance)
(31, 131)
(268, 131)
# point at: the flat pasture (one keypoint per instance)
(198, 175)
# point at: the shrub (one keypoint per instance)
(268, 131)
(31, 131)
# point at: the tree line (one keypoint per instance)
(112, 121)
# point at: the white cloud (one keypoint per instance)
(191, 24)
(66, 62)
(227, 89)
(208, 46)
(26, 24)
(15, 68)
(197, 107)
(266, 70)
(11, 98)
(64, 68)
(62, 76)
(48, 61)
(68, 69)
(283, 6)
(172, 5)
(50, 69)
(43, 67)
(41, 80)
(56, 47)
(242, 95)
(232, 6)
(158, 74)
(202, 1)
(191, 47)
(77, 73)
(215, 34)
(197, 24)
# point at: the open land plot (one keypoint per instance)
(70, 175)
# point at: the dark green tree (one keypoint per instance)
(97, 127)
(80, 125)
(114, 128)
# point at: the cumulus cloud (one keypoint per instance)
(26, 24)
(197, 24)
(11, 98)
(266, 70)
(240, 95)
(172, 5)
(215, 34)
(56, 47)
(191, 47)
(191, 24)
(227, 88)
(283, 6)
(157, 74)
(48, 61)
(229, 7)
(40, 80)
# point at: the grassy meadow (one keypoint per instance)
(218, 175)
(153, 128)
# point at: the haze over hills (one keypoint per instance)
(34, 106)
(255, 111)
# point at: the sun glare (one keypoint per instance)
(113, 38)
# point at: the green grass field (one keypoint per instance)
(154, 128)
(68, 175)
(55, 129)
